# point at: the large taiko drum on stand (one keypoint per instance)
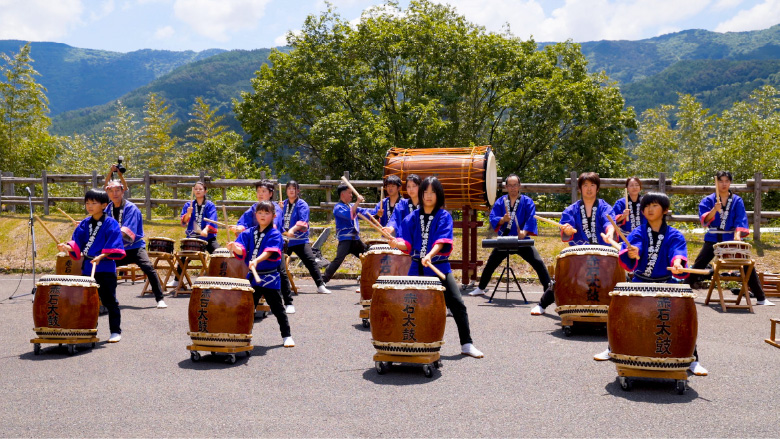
(379, 260)
(468, 175)
(66, 307)
(223, 264)
(66, 266)
(221, 312)
(407, 315)
(584, 277)
(652, 326)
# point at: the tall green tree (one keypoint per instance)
(158, 148)
(425, 77)
(25, 144)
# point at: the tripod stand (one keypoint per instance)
(507, 271)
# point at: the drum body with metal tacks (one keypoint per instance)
(223, 264)
(221, 312)
(159, 244)
(584, 277)
(192, 245)
(652, 326)
(380, 260)
(66, 266)
(407, 315)
(733, 251)
(468, 175)
(66, 307)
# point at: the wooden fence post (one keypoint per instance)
(1, 190)
(148, 195)
(757, 193)
(10, 190)
(45, 186)
(329, 214)
(662, 182)
(94, 180)
(574, 195)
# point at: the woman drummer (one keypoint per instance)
(426, 234)
(193, 217)
(405, 206)
(630, 216)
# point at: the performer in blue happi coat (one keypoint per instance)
(347, 229)
(260, 247)
(193, 217)
(405, 206)
(98, 235)
(585, 220)
(629, 217)
(385, 208)
(426, 235)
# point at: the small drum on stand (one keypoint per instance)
(584, 277)
(221, 316)
(407, 321)
(731, 251)
(379, 260)
(468, 175)
(652, 331)
(192, 245)
(66, 266)
(65, 311)
(158, 244)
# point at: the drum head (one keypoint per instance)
(491, 177)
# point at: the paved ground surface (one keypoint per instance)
(534, 381)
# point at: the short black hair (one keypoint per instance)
(392, 179)
(654, 198)
(414, 178)
(341, 188)
(265, 206)
(266, 184)
(591, 177)
(96, 195)
(511, 176)
(724, 174)
(438, 189)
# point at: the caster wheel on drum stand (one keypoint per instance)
(94, 344)
(625, 383)
(71, 349)
(427, 370)
(195, 356)
(381, 367)
(248, 353)
(567, 331)
(366, 323)
(231, 359)
(681, 387)
(437, 364)
(37, 349)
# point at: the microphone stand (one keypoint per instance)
(34, 249)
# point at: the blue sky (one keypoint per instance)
(128, 25)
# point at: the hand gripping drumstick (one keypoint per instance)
(75, 223)
(95, 263)
(344, 179)
(691, 270)
(620, 232)
(437, 271)
(548, 221)
(254, 273)
(47, 229)
(378, 228)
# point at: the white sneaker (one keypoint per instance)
(477, 292)
(288, 342)
(172, 284)
(603, 356)
(161, 304)
(764, 302)
(114, 338)
(537, 310)
(697, 369)
(322, 289)
(471, 351)
(449, 313)
(289, 309)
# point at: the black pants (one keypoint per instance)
(107, 291)
(211, 245)
(307, 256)
(705, 256)
(454, 302)
(286, 289)
(346, 247)
(274, 299)
(529, 254)
(139, 257)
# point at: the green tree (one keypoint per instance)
(120, 137)
(158, 149)
(425, 77)
(25, 144)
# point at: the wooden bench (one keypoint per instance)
(772, 340)
(745, 267)
(130, 272)
(770, 282)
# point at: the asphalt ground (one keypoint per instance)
(533, 382)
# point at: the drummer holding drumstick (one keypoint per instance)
(347, 229)
(725, 211)
(193, 217)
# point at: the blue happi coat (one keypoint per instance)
(209, 210)
(440, 231)
(736, 220)
(672, 247)
(628, 224)
(131, 223)
(525, 209)
(296, 214)
(248, 218)
(347, 227)
(403, 208)
(270, 240)
(572, 216)
(107, 240)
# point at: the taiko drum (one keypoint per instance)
(67, 266)
(221, 312)
(381, 260)
(159, 244)
(66, 307)
(192, 245)
(223, 264)
(584, 277)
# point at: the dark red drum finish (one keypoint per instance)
(221, 312)
(407, 315)
(66, 266)
(223, 264)
(584, 277)
(160, 244)
(381, 260)
(66, 307)
(192, 245)
(652, 326)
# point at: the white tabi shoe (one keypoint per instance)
(323, 290)
(765, 302)
(289, 309)
(471, 351)
(172, 284)
(477, 292)
(114, 338)
(537, 310)
(697, 369)
(603, 356)
(288, 342)
(161, 304)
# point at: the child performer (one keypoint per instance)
(260, 247)
(405, 206)
(95, 235)
(347, 229)
(426, 234)
(584, 220)
(386, 207)
(629, 217)
(192, 217)
(654, 247)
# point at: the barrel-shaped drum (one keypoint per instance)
(159, 244)
(652, 326)
(192, 245)
(380, 260)
(468, 175)
(221, 312)
(733, 251)
(223, 264)
(407, 315)
(66, 307)
(584, 277)
(66, 266)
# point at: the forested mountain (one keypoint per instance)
(79, 78)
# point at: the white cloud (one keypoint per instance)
(217, 18)
(760, 16)
(281, 40)
(38, 20)
(164, 33)
(726, 4)
(102, 11)
(523, 16)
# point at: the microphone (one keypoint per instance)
(29, 192)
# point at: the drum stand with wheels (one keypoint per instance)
(383, 362)
(625, 374)
(263, 307)
(508, 271)
(71, 342)
(230, 350)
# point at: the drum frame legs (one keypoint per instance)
(71, 342)
(195, 350)
(289, 274)
(507, 271)
(428, 362)
(772, 340)
(745, 268)
(168, 269)
(567, 321)
(185, 283)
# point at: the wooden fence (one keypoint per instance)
(40, 187)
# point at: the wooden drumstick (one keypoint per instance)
(374, 221)
(354, 191)
(717, 192)
(227, 228)
(691, 270)
(95, 263)
(611, 241)
(626, 198)
(75, 223)
(254, 273)
(378, 228)
(382, 193)
(620, 232)
(549, 221)
(215, 222)
(437, 271)
(281, 199)
(56, 241)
